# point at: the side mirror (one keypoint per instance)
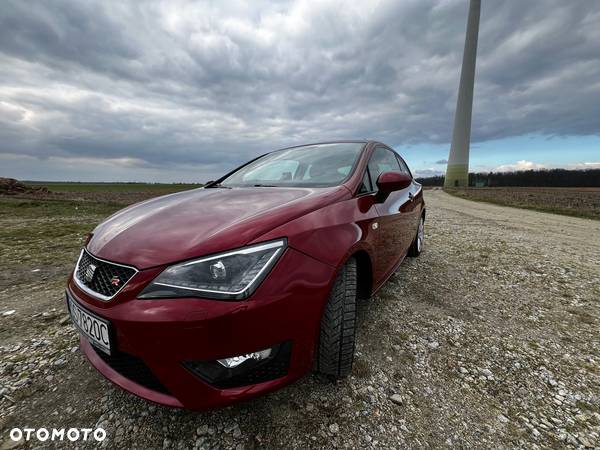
(388, 182)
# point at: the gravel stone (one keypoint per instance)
(497, 319)
(397, 399)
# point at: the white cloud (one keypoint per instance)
(425, 173)
(583, 166)
(212, 84)
(520, 165)
(530, 165)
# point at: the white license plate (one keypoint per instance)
(97, 330)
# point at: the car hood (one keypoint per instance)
(201, 221)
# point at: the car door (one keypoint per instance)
(394, 217)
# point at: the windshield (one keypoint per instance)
(310, 166)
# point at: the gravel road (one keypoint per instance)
(489, 339)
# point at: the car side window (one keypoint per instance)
(403, 166)
(382, 160)
(366, 185)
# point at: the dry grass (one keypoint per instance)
(578, 202)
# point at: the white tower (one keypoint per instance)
(457, 172)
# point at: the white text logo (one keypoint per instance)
(58, 434)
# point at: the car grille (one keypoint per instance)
(107, 279)
(132, 368)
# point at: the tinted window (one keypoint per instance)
(312, 165)
(382, 160)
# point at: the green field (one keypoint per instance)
(113, 187)
(39, 232)
(38, 228)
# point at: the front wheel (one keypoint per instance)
(417, 245)
(338, 325)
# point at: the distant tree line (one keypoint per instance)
(431, 181)
(538, 178)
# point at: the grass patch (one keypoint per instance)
(49, 208)
(37, 234)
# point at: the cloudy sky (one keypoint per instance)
(184, 91)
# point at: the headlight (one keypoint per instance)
(232, 275)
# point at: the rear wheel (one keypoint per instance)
(417, 246)
(338, 325)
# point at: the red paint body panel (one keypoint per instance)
(200, 222)
(330, 234)
(323, 227)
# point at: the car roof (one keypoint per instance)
(341, 141)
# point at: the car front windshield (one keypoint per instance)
(318, 165)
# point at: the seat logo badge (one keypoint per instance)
(375, 225)
(115, 281)
(90, 272)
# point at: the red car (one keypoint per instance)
(202, 298)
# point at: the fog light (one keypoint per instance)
(230, 363)
(244, 370)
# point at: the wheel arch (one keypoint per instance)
(364, 274)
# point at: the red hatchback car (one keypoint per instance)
(202, 298)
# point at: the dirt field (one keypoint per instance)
(489, 339)
(150, 188)
(107, 193)
(579, 202)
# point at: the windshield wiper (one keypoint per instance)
(217, 185)
(264, 185)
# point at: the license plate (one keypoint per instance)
(94, 328)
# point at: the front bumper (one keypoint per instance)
(163, 334)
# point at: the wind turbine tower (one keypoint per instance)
(457, 172)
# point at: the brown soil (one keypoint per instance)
(10, 186)
(580, 202)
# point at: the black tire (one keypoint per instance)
(338, 325)
(417, 244)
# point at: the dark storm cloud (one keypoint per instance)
(172, 84)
